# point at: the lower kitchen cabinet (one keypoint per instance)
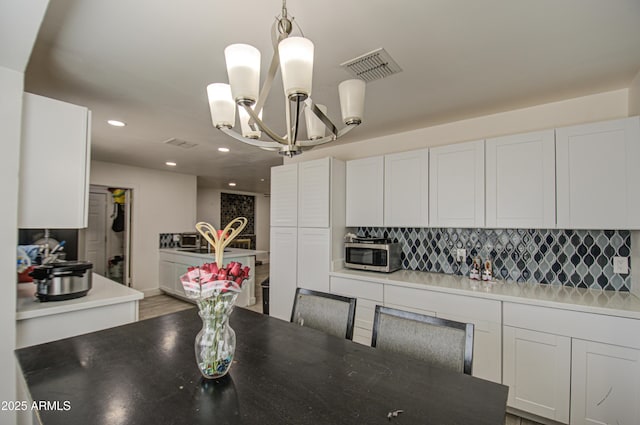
(368, 294)
(314, 258)
(282, 271)
(537, 369)
(605, 384)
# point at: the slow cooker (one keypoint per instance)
(63, 280)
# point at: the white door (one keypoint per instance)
(95, 234)
(365, 192)
(282, 271)
(406, 189)
(456, 185)
(605, 384)
(521, 181)
(313, 259)
(536, 367)
(284, 195)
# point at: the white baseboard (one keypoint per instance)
(151, 292)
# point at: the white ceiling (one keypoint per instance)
(148, 62)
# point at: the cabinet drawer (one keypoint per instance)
(468, 308)
(594, 327)
(357, 288)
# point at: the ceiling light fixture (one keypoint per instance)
(294, 56)
(232, 184)
(171, 163)
(223, 149)
(116, 123)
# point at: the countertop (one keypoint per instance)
(282, 374)
(229, 253)
(103, 292)
(612, 303)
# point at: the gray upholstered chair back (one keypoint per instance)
(330, 313)
(443, 343)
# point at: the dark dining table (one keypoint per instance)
(145, 373)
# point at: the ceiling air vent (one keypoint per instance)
(372, 66)
(180, 143)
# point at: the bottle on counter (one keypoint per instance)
(476, 268)
(487, 273)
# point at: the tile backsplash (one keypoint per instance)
(580, 258)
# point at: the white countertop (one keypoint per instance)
(612, 303)
(229, 253)
(103, 292)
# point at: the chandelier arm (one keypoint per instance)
(271, 75)
(330, 138)
(321, 116)
(296, 125)
(259, 143)
(256, 119)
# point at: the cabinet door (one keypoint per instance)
(165, 276)
(365, 192)
(605, 384)
(313, 193)
(284, 195)
(521, 181)
(456, 185)
(368, 294)
(283, 271)
(313, 259)
(598, 174)
(536, 367)
(54, 164)
(406, 189)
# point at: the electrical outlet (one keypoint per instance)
(461, 255)
(621, 265)
(176, 238)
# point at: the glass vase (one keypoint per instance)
(215, 344)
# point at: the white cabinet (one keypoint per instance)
(282, 271)
(537, 369)
(456, 185)
(313, 193)
(520, 185)
(54, 164)
(365, 192)
(284, 195)
(598, 175)
(406, 189)
(605, 384)
(484, 314)
(314, 258)
(368, 295)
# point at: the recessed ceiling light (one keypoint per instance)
(116, 123)
(261, 180)
(171, 163)
(223, 149)
(232, 184)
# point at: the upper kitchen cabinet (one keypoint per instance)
(521, 190)
(365, 192)
(320, 191)
(406, 189)
(456, 185)
(598, 175)
(54, 164)
(284, 196)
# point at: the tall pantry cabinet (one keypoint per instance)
(307, 214)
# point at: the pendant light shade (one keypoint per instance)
(296, 62)
(351, 94)
(315, 127)
(247, 131)
(243, 69)
(221, 105)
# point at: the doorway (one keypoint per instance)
(107, 238)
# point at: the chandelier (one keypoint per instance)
(293, 55)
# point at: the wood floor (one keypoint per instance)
(163, 304)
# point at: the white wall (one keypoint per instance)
(162, 202)
(634, 96)
(208, 210)
(597, 107)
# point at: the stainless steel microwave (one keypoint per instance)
(190, 240)
(374, 256)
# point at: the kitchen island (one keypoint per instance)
(107, 304)
(174, 262)
(282, 373)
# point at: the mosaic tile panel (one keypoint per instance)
(166, 240)
(579, 258)
(233, 205)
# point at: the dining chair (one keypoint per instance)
(444, 343)
(330, 313)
